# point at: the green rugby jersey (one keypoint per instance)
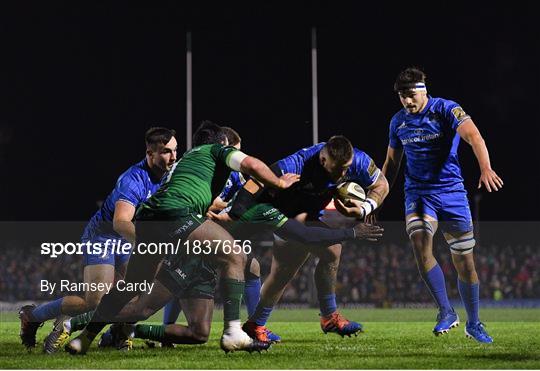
(193, 182)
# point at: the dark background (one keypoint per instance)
(80, 84)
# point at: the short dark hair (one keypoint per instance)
(208, 133)
(232, 136)
(339, 148)
(408, 77)
(158, 134)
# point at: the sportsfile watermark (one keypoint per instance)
(42, 261)
(120, 247)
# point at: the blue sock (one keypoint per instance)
(435, 282)
(48, 310)
(327, 303)
(252, 294)
(261, 315)
(470, 296)
(171, 311)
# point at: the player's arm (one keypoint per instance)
(392, 163)
(122, 220)
(470, 133)
(293, 230)
(257, 169)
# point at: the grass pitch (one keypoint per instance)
(394, 339)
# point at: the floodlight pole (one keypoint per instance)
(314, 93)
(189, 98)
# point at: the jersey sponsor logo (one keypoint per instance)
(459, 114)
(183, 227)
(422, 138)
(402, 126)
(418, 131)
(270, 212)
(180, 273)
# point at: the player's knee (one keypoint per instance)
(201, 334)
(422, 250)
(421, 241)
(465, 267)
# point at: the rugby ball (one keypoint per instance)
(350, 191)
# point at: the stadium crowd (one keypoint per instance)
(381, 276)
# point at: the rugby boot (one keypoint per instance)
(234, 339)
(335, 322)
(29, 326)
(445, 322)
(477, 332)
(58, 336)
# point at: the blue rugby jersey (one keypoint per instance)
(234, 183)
(134, 186)
(430, 142)
(315, 189)
(306, 163)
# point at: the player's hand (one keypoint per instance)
(368, 232)
(351, 210)
(490, 180)
(218, 205)
(223, 217)
(287, 180)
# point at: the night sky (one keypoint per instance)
(79, 86)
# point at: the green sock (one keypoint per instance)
(79, 322)
(151, 332)
(232, 297)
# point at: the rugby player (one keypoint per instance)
(191, 281)
(252, 275)
(235, 182)
(321, 167)
(428, 131)
(175, 213)
(172, 310)
(113, 221)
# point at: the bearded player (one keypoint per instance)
(321, 168)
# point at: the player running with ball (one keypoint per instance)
(428, 131)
